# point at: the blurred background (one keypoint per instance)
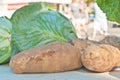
(8, 7)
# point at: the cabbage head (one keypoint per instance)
(35, 25)
(5, 40)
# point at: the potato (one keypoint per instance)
(82, 44)
(54, 57)
(100, 58)
(112, 40)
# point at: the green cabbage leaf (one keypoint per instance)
(111, 8)
(35, 25)
(5, 40)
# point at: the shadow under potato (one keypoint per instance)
(115, 73)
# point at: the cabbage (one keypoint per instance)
(35, 25)
(111, 8)
(5, 40)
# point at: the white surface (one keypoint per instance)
(81, 74)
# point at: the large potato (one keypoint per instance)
(55, 57)
(100, 58)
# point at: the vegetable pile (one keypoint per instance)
(35, 25)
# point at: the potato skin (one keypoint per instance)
(111, 40)
(82, 44)
(100, 58)
(54, 57)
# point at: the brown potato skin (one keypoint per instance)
(82, 44)
(54, 57)
(100, 58)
